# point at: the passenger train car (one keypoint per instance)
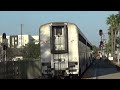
(64, 50)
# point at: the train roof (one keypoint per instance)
(57, 23)
(69, 23)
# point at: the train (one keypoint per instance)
(64, 50)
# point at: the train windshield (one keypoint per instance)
(58, 30)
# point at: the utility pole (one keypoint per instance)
(21, 35)
(21, 53)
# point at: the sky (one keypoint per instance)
(89, 22)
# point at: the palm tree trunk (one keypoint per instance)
(115, 36)
(112, 43)
(114, 40)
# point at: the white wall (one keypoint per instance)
(25, 40)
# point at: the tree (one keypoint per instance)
(114, 22)
(95, 49)
(31, 50)
(108, 48)
(118, 40)
(12, 52)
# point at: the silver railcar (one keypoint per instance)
(64, 50)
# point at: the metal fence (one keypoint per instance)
(23, 69)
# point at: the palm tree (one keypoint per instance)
(113, 21)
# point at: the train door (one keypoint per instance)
(59, 41)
